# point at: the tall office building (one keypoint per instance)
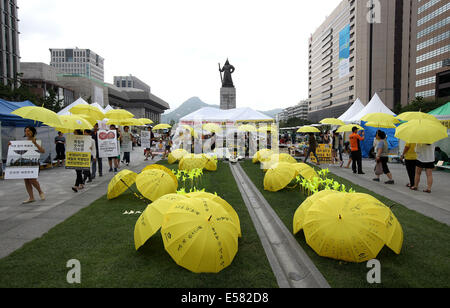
(131, 82)
(9, 43)
(427, 60)
(83, 62)
(356, 53)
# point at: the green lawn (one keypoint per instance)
(423, 262)
(101, 238)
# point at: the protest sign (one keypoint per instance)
(107, 143)
(78, 152)
(22, 161)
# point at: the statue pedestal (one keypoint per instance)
(227, 98)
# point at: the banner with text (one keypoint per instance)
(78, 152)
(22, 161)
(107, 143)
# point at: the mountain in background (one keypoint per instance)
(193, 104)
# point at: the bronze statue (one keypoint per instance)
(228, 69)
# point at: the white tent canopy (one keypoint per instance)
(98, 106)
(215, 115)
(374, 106)
(108, 108)
(66, 111)
(356, 108)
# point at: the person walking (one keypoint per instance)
(79, 182)
(126, 137)
(336, 148)
(97, 158)
(382, 157)
(410, 157)
(60, 142)
(425, 160)
(148, 151)
(355, 147)
(30, 134)
(114, 159)
(87, 175)
(312, 146)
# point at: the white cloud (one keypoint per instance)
(175, 45)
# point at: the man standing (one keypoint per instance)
(312, 148)
(355, 148)
(148, 151)
(97, 159)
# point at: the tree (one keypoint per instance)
(423, 105)
(294, 122)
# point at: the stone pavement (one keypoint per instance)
(435, 205)
(20, 223)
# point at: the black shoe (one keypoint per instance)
(391, 182)
(361, 173)
(115, 169)
(376, 180)
(111, 170)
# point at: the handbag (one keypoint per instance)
(378, 168)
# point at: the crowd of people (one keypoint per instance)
(416, 157)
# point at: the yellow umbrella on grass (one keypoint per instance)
(278, 177)
(153, 184)
(120, 183)
(200, 236)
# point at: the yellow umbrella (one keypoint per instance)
(125, 122)
(146, 121)
(262, 155)
(278, 177)
(190, 162)
(380, 117)
(211, 163)
(162, 126)
(223, 203)
(39, 114)
(299, 216)
(165, 169)
(421, 131)
(88, 110)
(247, 128)
(348, 128)
(153, 184)
(332, 121)
(265, 129)
(120, 183)
(119, 114)
(89, 119)
(408, 116)
(341, 227)
(305, 171)
(308, 129)
(381, 124)
(73, 122)
(176, 155)
(200, 236)
(151, 219)
(212, 127)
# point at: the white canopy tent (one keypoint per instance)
(108, 108)
(214, 115)
(356, 108)
(66, 111)
(374, 106)
(98, 106)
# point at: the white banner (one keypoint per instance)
(145, 139)
(107, 143)
(22, 161)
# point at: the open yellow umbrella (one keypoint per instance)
(165, 169)
(73, 122)
(421, 131)
(262, 155)
(408, 116)
(278, 177)
(308, 129)
(247, 128)
(265, 129)
(381, 124)
(211, 163)
(88, 118)
(162, 127)
(190, 162)
(39, 114)
(332, 121)
(118, 114)
(200, 236)
(152, 218)
(212, 127)
(153, 184)
(88, 110)
(125, 122)
(341, 227)
(348, 128)
(120, 183)
(176, 155)
(299, 216)
(223, 203)
(146, 121)
(305, 171)
(380, 117)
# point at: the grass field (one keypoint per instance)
(423, 262)
(101, 238)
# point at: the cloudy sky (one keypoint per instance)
(175, 45)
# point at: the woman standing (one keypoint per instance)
(382, 152)
(425, 160)
(30, 134)
(60, 142)
(410, 157)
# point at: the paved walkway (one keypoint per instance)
(435, 205)
(20, 224)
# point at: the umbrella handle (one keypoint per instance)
(135, 193)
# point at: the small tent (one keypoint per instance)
(442, 113)
(375, 105)
(356, 108)
(8, 119)
(66, 110)
(214, 115)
